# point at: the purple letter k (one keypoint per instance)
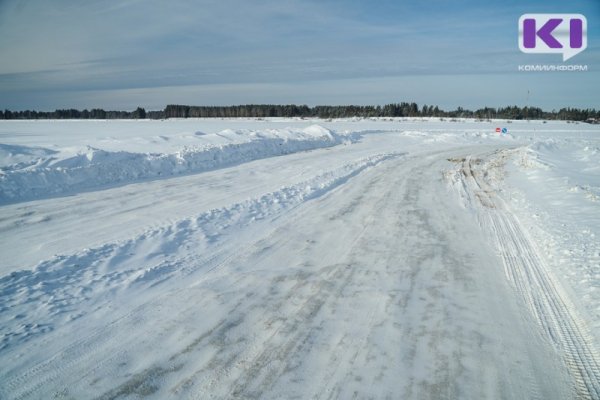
(545, 33)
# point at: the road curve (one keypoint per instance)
(381, 288)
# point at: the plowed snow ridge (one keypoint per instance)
(46, 172)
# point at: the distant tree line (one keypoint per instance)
(389, 110)
(96, 113)
(269, 110)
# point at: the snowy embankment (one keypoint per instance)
(554, 184)
(544, 232)
(29, 173)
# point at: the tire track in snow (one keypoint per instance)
(548, 303)
(551, 307)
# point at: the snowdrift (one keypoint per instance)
(28, 173)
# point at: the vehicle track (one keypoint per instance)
(525, 268)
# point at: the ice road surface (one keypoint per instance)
(288, 258)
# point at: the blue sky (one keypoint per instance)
(121, 54)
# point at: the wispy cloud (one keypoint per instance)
(78, 47)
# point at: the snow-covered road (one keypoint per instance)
(386, 268)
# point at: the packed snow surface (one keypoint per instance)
(289, 258)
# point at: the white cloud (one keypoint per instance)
(53, 51)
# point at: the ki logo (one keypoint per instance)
(564, 34)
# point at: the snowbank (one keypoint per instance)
(554, 186)
(30, 173)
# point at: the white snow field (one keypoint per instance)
(289, 258)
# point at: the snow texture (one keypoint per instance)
(289, 258)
